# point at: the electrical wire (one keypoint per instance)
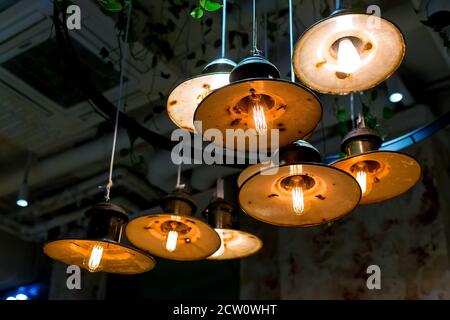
(119, 106)
(291, 37)
(352, 110)
(224, 27)
(255, 50)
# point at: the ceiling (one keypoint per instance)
(70, 138)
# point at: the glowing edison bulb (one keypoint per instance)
(259, 113)
(348, 57)
(221, 250)
(298, 203)
(171, 242)
(95, 258)
(361, 177)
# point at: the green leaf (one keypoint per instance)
(388, 113)
(371, 121)
(342, 115)
(111, 5)
(124, 152)
(197, 13)
(342, 128)
(210, 5)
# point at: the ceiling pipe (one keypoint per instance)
(39, 232)
(74, 159)
(89, 188)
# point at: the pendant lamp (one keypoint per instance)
(258, 99)
(381, 174)
(184, 99)
(301, 192)
(235, 244)
(102, 250)
(348, 52)
(174, 234)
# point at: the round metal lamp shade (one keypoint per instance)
(117, 258)
(393, 173)
(236, 245)
(332, 194)
(196, 240)
(293, 109)
(184, 99)
(379, 43)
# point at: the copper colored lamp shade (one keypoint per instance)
(235, 244)
(255, 85)
(373, 48)
(155, 233)
(184, 99)
(299, 193)
(382, 174)
(102, 250)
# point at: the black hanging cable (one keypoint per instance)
(224, 27)
(255, 50)
(352, 110)
(79, 75)
(291, 38)
(338, 5)
(120, 104)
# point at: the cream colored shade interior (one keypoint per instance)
(381, 45)
(199, 242)
(185, 98)
(117, 258)
(334, 194)
(237, 244)
(397, 173)
(296, 110)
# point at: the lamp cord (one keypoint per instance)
(338, 4)
(220, 193)
(179, 185)
(224, 27)
(119, 108)
(28, 167)
(255, 50)
(291, 38)
(352, 110)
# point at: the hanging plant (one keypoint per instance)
(205, 5)
(114, 6)
(370, 120)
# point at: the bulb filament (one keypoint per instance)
(298, 203)
(259, 119)
(95, 258)
(171, 242)
(348, 58)
(361, 177)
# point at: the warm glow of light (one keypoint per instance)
(348, 58)
(216, 82)
(298, 203)
(295, 169)
(361, 177)
(95, 258)
(221, 250)
(259, 119)
(171, 243)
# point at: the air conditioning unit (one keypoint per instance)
(39, 106)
